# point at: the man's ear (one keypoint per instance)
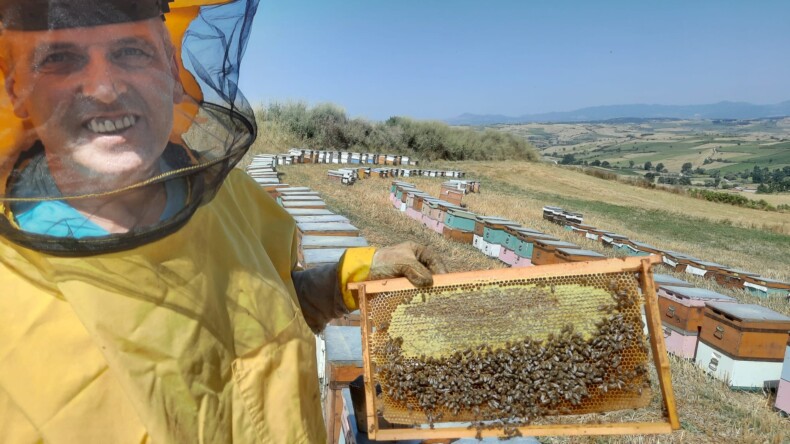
(178, 87)
(19, 106)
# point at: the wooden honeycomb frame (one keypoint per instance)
(365, 291)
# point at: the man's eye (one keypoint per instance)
(60, 61)
(131, 56)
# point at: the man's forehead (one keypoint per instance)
(151, 31)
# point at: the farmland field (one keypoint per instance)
(756, 240)
(728, 146)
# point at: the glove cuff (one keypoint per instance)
(354, 266)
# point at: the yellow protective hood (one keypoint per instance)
(212, 127)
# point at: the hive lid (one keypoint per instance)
(504, 223)
(665, 279)
(739, 272)
(461, 213)
(491, 218)
(696, 293)
(556, 243)
(525, 230)
(750, 312)
(328, 226)
(760, 279)
(308, 212)
(643, 245)
(707, 264)
(311, 241)
(579, 252)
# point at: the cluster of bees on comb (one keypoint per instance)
(512, 385)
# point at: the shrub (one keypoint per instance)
(326, 126)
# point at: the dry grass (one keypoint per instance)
(552, 179)
(709, 411)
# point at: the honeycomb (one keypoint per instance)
(511, 351)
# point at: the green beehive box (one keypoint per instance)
(460, 220)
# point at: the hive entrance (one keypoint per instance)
(510, 349)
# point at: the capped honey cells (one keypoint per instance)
(510, 352)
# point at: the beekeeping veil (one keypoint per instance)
(110, 103)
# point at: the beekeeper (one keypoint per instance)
(149, 291)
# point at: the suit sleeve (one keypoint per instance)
(320, 298)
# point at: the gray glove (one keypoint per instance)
(408, 259)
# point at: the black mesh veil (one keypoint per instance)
(116, 127)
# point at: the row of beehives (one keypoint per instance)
(368, 172)
(725, 276)
(299, 155)
(322, 238)
(741, 344)
(348, 176)
(322, 235)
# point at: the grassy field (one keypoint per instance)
(741, 145)
(709, 411)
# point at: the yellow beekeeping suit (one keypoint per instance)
(196, 337)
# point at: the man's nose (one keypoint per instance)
(101, 80)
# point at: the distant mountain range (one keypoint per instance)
(721, 110)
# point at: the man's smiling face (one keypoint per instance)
(100, 98)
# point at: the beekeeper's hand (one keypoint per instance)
(409, 259)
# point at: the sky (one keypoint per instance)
(430, 59)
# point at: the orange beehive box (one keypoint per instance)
(747, 331)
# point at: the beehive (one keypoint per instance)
(682, 311)
(732, 277)
(513, 241)
(613, 240)
(682, 261)
(577, 255)
(550, 213)
(742, 344)
(703, 268)
(414, 201)
(762, 286)
(526, 248)
(646, 249)
(783, 390)
(569, 217)
(494, 235)
(478, 240)
(665, 279)
(580, 229)
(543, 251)
(460, 219)
(512, 346)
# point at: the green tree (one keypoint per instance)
(659, 167)
(568, 159)
(648, 165)
(686, 168)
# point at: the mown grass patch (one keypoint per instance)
(694, 231)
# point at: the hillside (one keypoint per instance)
(721, 110)
(737, 155)
(709, 411)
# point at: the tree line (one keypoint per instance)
(326, 126)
